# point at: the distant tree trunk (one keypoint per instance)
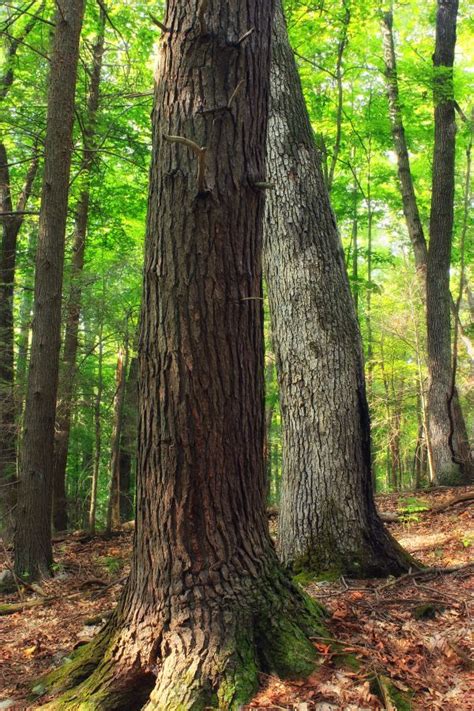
(8, 410)
(207, 604)
(368, 301)
(395, 435)
(355, 257)
(113, 513)
(447, 439)
(73, 310)
(420, 449)
(451, 453)
(128, 441)
(33, 550)
(24, 328)
(338, 75)
(409, 202)
(98, 435)
(328, 518)
(269, 410)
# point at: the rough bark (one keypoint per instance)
(128, 442)
(8, 424)
(33, 551)
(451, 454)
(207, 604)
(73, 311)
(328, 517)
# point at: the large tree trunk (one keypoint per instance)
(8, 409)
(33, 551)
(328, 518)
(128, 442)
(73, 312)
(451, 454)
(207, 604)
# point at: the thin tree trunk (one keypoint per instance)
(11, 226)
(128, 442)
(8, 409)
(409, 202)
(339, 109)
(395, 435)
(73, 310)
(207, 604)
(113, 513)
(24, 327)
(420, 449)
(33, 550)
(98, 435)
(451, 454)
(368, 303)
(355, 257)
(328, 518)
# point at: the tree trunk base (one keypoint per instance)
(377, 555)
(209, 661)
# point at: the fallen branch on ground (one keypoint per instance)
(11, 608)
(389, 517)
(427, 572)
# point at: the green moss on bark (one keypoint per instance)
(79, 666)
(240, 679)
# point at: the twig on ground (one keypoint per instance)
(427, 572)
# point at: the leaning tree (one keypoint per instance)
(328, 518)
(207, 604)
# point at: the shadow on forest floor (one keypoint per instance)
(416, 631)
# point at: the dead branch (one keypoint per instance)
(427, 572)
(12, 608)
(468, 496)
(390, 517)
(200, 152)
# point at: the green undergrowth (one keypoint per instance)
(306, 577)
(390, 695)
(410, 508)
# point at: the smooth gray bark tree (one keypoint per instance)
(328, 518)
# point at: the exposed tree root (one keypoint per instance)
(208, 656)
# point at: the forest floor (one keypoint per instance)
(377, 622)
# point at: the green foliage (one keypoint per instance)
(112, 564)
(410, 507)
(338, 50)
